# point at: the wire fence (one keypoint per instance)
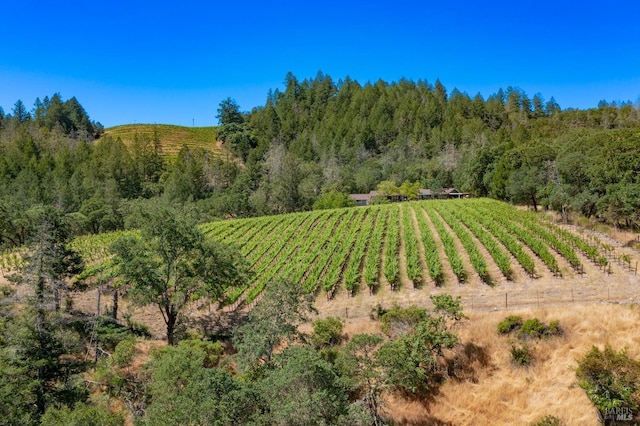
(506, 300)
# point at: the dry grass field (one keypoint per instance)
(593, 309)
(492, 391)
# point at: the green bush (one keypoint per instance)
(124, 352)
(521, 355)
(549, 420)
(213, 350)
(137, 328)
(510, 323)
(531, 328)
(611, 379)
(398, 321)
(377, 312)
(81, 414)
(110, 333)
(327, 332)
(534, 328)
(333, 200)
(6, 291)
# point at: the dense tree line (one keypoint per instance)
(101, 185)
(319, 136)
(318, 139)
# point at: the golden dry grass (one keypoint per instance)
(494, 392)
(172, 138)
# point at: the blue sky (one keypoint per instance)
(173, 62)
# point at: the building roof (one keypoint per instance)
(360, 197)
(421, 191)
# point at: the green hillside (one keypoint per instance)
(429, 243)
(172, 138)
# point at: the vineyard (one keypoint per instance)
(417, 244)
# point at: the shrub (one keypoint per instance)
(534, 328)
(531, 328)
(124, 352)
(520, 355)
(333, 200)
(554, 329)
(398, 321)
(82, 414)
(213, 350)
(327, 332)
(377, 312)
(611, 379)
(137, 328)
(549, 420)
(510, 323)
(6, 291)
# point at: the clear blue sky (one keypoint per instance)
(173, 62)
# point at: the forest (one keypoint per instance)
(318, 138)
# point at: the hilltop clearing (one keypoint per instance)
(171, 138)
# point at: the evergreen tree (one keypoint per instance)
(20, 113)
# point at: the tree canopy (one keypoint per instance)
(171, 264)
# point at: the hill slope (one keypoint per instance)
(471, 247)
(318, 248)
(172, 138)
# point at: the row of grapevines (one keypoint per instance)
(271, 258)
(95, 248)
(242, 230)
(293, 268)
(449, 245)
(412, 255)
(499, 255)
(535, 244)
(590, 250)
(254, 227)
(372, 263)
(431, 254)
(391, 267)
(220, 230)
(265, 229)
(475, 256)
(559, 245)
(308, 248)
(340, 252)
(259, 257)
(502, 235)
(352, 271)
(326, 251)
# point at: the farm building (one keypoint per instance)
(423, 194)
